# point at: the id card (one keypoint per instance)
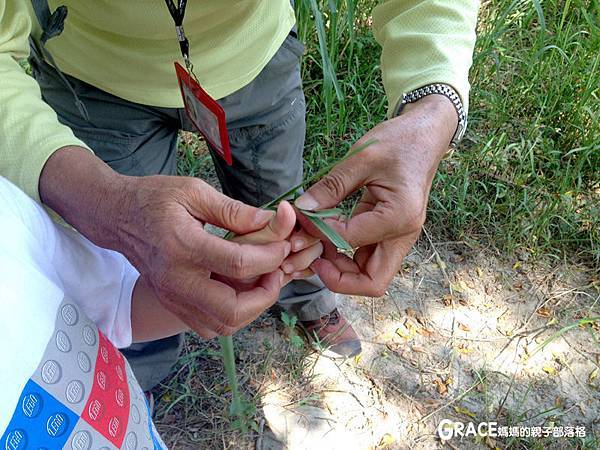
(205, 113)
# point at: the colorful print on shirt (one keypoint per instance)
(82, 396)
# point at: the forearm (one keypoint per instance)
(149, 319)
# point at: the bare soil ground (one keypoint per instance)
(459, 335)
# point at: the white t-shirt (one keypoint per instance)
(64, 306)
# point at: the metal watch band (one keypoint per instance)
(447, 91)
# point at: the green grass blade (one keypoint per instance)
(323, 213)
(329, 75)
(330, 233)
(310, 180)
(228, 355)
(563, 330)
(540, 12)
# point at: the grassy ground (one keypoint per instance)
(514, 225)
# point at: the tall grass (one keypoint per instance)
(527, 176)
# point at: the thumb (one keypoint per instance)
(225, 212)
(343, 179)
(279, 227)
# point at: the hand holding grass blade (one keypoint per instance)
(239, 408)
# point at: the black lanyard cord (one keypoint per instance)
(178, 13)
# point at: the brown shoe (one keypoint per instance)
(332, 332)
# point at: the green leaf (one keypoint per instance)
(329, 75)
(323, 213)
(294, 192)
(228, 355)
(540, 12)
(330, 233)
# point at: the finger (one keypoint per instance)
(307, 273)
(368, 228)
(223, 311)
(300, 261)
(373, 280)
(277, 229)
(196, 301)
(301, 240)
(237, 260)
(252, 303)
(334, 187)
(341, 261)
(308, 227)
(209, 205)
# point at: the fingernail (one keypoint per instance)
(306, 201)
(298, 244)
(297, 275)
(287, 249)
(287, 268)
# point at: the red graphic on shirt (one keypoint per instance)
(107, 408)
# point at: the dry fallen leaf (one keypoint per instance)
(491, 443)
(543, 311)
(419, 349)
(447, 300)
(463, 327)
(425, 332)
(464, 349)
(549, 370)
(464, 411)
(461, 286)
(558, 402)
(402, 332)
(386, 440)
(593, 375)
(441, 386)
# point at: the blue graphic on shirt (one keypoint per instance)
(39, 420)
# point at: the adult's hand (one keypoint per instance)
(281, 226)
(397, 173)
(157, 223)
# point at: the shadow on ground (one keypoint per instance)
(461, 334)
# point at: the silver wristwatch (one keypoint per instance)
(447, 91)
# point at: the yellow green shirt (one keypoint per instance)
(127, 48)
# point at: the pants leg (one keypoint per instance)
(134, 140)
(266, 128)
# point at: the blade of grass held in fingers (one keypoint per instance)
(323, 213)
(325, 170)
(329, 233)
(316, 217)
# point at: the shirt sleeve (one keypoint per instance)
(98, 280)
(425, 42)
(29, 129)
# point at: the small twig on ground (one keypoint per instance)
(439, 260)
(373, 312)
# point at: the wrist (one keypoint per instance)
(86, 193)
(436, 112)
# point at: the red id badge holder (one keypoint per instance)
(205, 113)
